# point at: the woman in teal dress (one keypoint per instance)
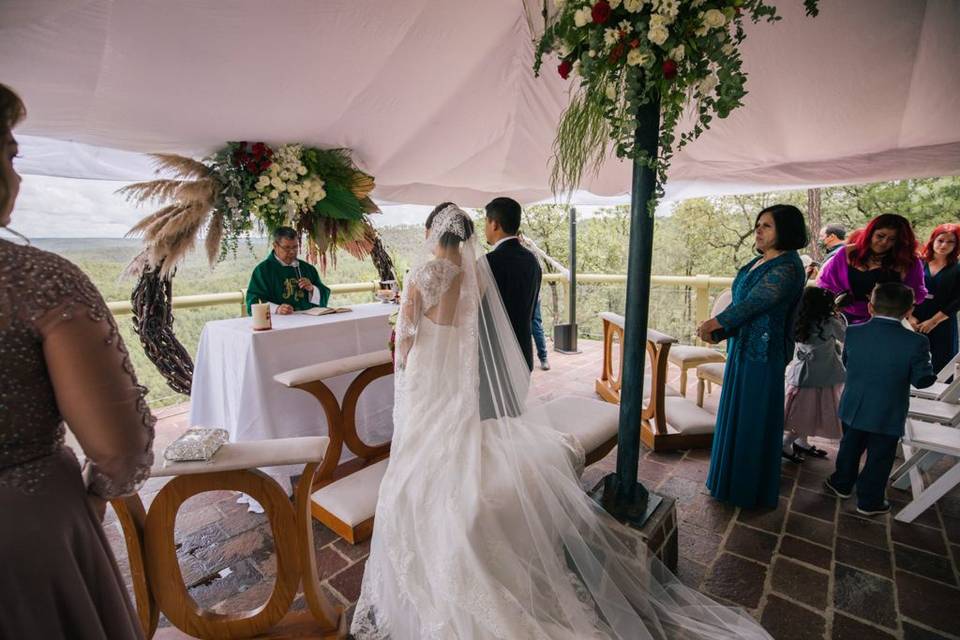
(745, 461)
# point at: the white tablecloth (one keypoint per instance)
(233, 384)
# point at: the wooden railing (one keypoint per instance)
(701, 285)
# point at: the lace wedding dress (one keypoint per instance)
(482, 527)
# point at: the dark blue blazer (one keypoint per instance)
(883, 359)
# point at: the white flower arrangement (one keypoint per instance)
(626, 53)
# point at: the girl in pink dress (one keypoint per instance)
(815, 377)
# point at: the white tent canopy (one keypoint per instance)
(437, 99)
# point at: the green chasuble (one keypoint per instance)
(272, 281)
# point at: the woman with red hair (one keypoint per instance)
(886, 251)
(937, 315)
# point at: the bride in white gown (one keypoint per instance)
(482, 528)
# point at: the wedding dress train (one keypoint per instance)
(482, 528)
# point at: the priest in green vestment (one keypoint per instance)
(286, 282)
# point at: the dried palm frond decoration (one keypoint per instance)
(241, 189)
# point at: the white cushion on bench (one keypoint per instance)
(687, 418)
(332, 369)
(712, 371)
(353, 499)
(251, 455)
(684, 354)
(592, 422)
(935, 411)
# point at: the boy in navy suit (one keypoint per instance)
(883, 358)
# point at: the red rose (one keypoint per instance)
(617, 52)
(635, 43)
(564, 69)
(601, 11)
(669, 69)
(259, 149)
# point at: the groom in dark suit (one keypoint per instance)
(516, 270)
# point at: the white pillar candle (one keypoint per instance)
(260, 312)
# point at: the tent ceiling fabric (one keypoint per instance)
(438, 101)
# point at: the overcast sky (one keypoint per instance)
(70, 208)
(51, 207)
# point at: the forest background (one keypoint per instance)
(711, 236)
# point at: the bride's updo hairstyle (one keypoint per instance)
(449, 238)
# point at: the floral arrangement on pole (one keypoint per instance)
(243, 187)
(626, 53)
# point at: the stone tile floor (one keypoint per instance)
(812, 568)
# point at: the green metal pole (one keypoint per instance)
(623, 496)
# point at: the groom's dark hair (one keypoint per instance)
(506, 212)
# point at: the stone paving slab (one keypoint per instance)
(812, 568)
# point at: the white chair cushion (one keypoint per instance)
(684, 354)
(353, 499)
(592, 422)
(712, 371)
(935, 411)
(934, 437)
(687, 418)
(251, 455)
(332, 369)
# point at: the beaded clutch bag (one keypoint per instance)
(198, 443)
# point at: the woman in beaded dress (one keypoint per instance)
(63, 361)
(745, 460)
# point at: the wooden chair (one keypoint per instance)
(345, 496)
(686, 357)
(708, 375)
(669, 422)
(155, 570)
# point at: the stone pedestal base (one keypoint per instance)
(659, 531)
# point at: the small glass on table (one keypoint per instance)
(387, 291)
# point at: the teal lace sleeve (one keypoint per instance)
(774, 287)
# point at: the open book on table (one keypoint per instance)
(322, 311)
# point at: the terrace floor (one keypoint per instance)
(812, 568)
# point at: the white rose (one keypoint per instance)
(714, 18)
(276, 182)
(656, 20)
(612, 90)
(727, 49)
(610, 37)
(274, 194)
(301, 170)
(708, 84)
(582, 17)
(677, 53)
(636, 57)
(578, 67)
(658, 35)
(614, 3)
(633, 6)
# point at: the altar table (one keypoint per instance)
(233, 384)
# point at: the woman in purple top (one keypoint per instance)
(886, 251)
